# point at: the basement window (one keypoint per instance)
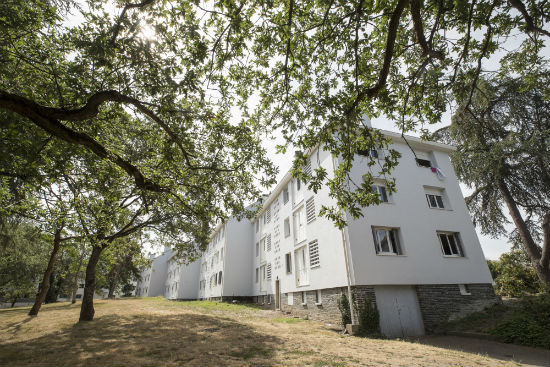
(318, 299)
(304, 302)
(464, 290)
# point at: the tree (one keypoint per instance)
(23, 254)
(503, 154)
(121, 265)
(141, 119)
(513, 274)
(318, 66)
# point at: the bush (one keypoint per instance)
(343, 306)
(369, 319)
(528, 325)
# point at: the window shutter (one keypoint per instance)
(268, 215)
(269, 271)
(307, 167)
(310, 209)
(268, 242)
(314, 254)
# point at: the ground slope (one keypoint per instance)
(147, 332)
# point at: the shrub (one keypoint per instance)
(369, 319)
(528, 324)
(343, 306)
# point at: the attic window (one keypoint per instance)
(423, 162)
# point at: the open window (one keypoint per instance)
(450, 244)
(386, 241)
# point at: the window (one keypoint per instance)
(257, 225)
(288, 262)
(368, 153)
(423, 162)
(386, 241)
(257, 249)
(285, 196)
(314, 254)
(464, 290)
(220, 277)
(304, 299)
(81, 285)
(257, 274)
(450, 245)
(78, 296)
(221, 255)
(435, 201)
(287, 227)
(299, 225)
(268, 242)
(298, 184)
(318, 299)
(268, 275)
(382, 194)
(310, 209)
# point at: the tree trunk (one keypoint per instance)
(114, 280)
(75, 281)
(529, 244)
(87, 309)
(41, 296)
(14, 302)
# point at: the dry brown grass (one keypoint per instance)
(147, 332)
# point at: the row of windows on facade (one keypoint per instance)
(266, 217)
(171, 288)
(215, 279)
(387, 242)
(301, 260)
(434, 197)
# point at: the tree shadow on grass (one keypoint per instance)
(146, 340)
(493, 349)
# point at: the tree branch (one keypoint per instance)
(118, 24)
(42, 117)
(419, 30)
(529, 23)
(388, 54)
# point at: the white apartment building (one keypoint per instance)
(416, 256)
(226, 266)
(169, 278)
(181, 280)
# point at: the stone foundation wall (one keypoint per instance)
(444, 302)
(327, 311)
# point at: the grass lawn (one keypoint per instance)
(154, 331)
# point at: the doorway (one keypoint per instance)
(277, 295)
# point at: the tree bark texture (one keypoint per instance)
(533, 251)
(87, 309)
(41, 296)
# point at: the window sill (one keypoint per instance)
(303, 304)
(390, 254)
(455, 256)
(318, 303)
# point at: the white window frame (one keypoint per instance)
(379, 189)
(396, 247)
(286, 227)
(437, 203)
(300, 221)
(288, 263)
(458, 243)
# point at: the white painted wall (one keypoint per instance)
(423, 261)
(237, 263)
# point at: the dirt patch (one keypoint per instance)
(152, 332)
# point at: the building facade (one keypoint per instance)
(416, 256)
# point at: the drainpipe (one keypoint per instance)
(348, 276)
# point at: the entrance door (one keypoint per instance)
(301, 266)
(277, 295)
(399, 311)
